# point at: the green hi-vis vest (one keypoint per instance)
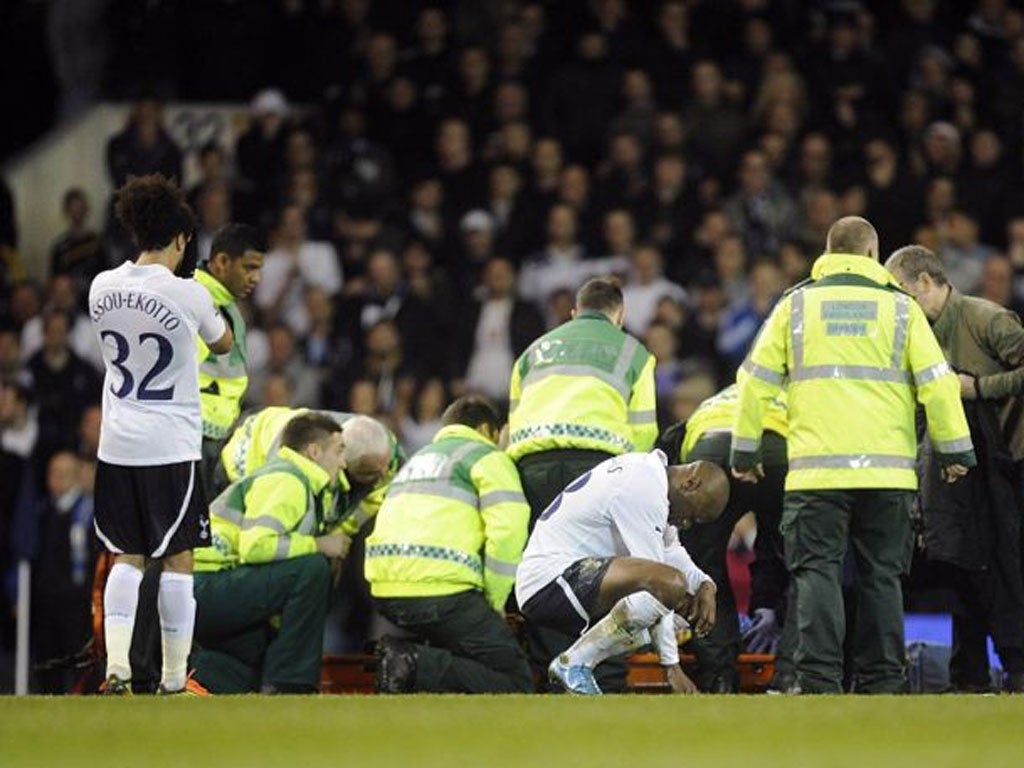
(717, 414)
(259, 436)
(273, 514)
(587, 385)
(223, 379)
(454, 519)
(855, 356)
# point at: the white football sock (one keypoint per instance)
(623, 630)
(120, 600)
(177, 619)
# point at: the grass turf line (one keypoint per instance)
(455, 731)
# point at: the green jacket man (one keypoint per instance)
(442, 559)
(261, 589)
(231, 273)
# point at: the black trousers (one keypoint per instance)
(544, 475)
(716, 654)
(465, 645)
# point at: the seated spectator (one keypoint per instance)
(622, 180)
(730, 267)
(143, 147)
(963, 255)
(421, 320)
(419, 426)
(65, 386)
(619, 233)
(477, 246)
(742, 320)
(89, 433)
(647, 285)
(507, 211)
(382, 364)
(65, 558)
(10, 353)
(425, 221)
(761, 210)
(561, 263)
(64, 297)
(259, 153)
(291, 266)
(668, 368)
(275, 392)
(213, 209)
(688, 394)
(820, 212)
(668, 212)
(19, 432)
(285, 361)
(997, 283)
(320, 347)
(497, 327)
(78, 251)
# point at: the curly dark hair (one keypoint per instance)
(154, 210)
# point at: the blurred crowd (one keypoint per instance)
(435, 177)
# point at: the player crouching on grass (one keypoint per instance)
(608, 547)
(149, 493)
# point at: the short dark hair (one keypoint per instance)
(153, 209)
(308, 428)
(235, 240)
(603, 294)
(911, 260)
(472, 411)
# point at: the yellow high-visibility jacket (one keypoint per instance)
(223, 379)
(454, 519)
(854, 355)
(718, 413)
(258, 437)
(274, 514)
(587, 384)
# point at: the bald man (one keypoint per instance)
(604, 563)
(854, 356)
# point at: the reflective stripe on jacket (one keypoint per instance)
(454, 519)
(853, 354)
(587, 384)
(274, 514)
(259, 436)
(717, 414)
(223, 379)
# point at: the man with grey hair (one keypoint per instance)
(984, 343)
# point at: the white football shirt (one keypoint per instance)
(618, 509)
(146, 320)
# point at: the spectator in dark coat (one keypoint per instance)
(62, 571)
(65, 385)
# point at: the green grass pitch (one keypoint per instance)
(485, 731)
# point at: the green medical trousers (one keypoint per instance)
(817, 527)
(464, 645)
(262, 626)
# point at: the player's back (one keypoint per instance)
(585, 519)
(146, 320)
